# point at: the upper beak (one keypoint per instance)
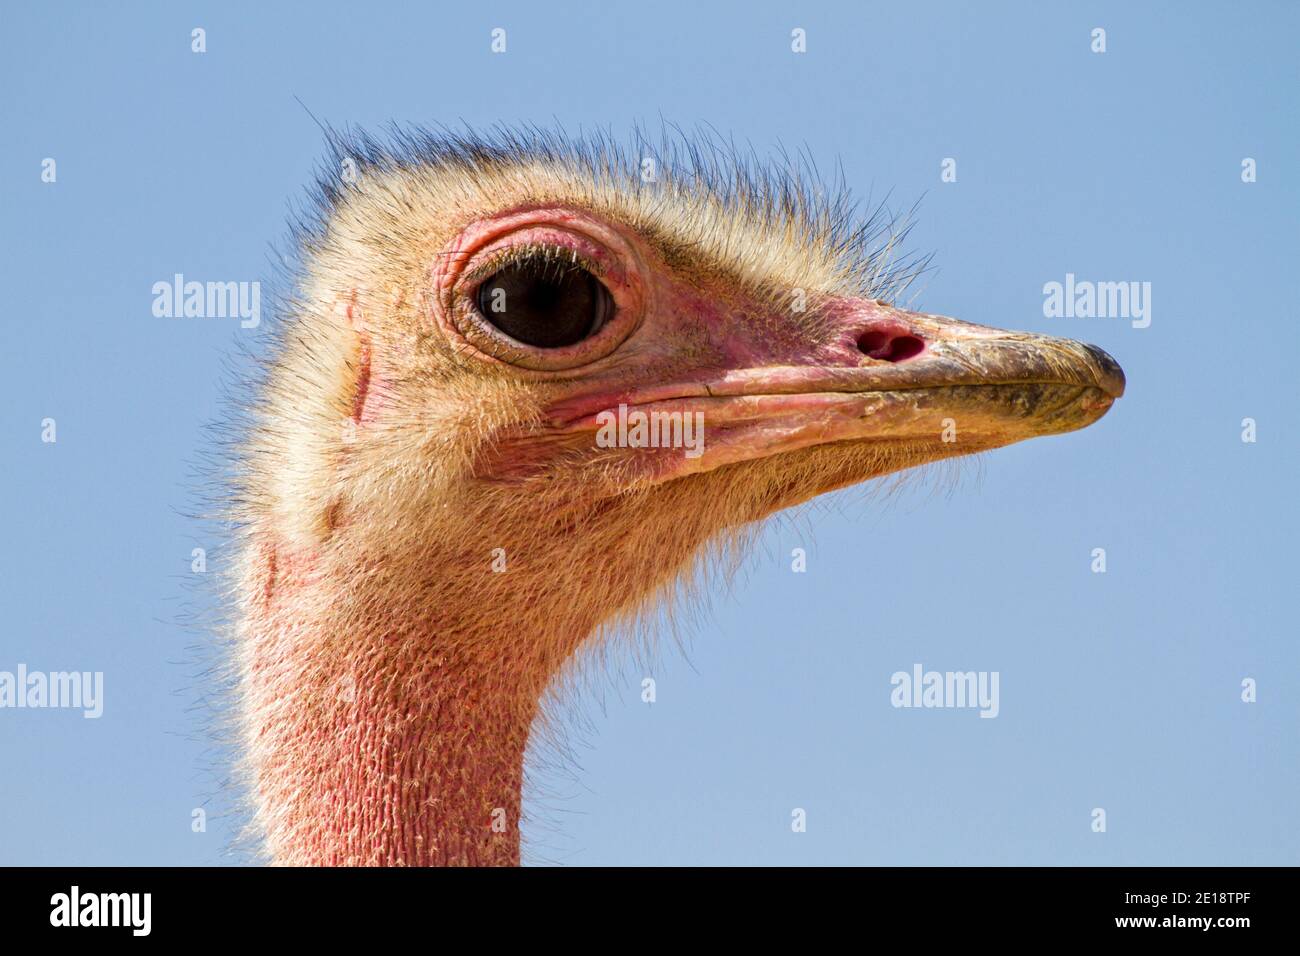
(960, 353)
(899, 350)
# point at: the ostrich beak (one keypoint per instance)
(930, 386)
(915, 379)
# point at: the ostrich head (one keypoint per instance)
(456, 477)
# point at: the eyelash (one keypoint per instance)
(546, 255)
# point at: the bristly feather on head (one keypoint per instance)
(776, 223)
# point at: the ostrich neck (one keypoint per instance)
(383, 743)
(388, 696)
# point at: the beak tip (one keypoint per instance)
(1110, 377)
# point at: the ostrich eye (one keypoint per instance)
(545, 304)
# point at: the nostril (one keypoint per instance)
(889, 346)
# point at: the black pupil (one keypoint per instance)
(545, 305)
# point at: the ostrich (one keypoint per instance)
(429, 533)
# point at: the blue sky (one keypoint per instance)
(1119, 691)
